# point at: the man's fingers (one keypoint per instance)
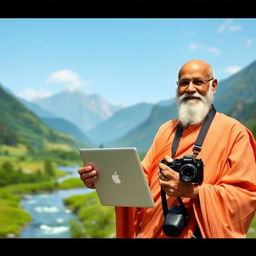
(168, 158)
(87, 168)
(90, 179)
(162, 177)
(88, 174)
(167, 172)
(163, 167)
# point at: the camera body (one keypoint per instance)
(189, 168)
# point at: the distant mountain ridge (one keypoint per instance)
(119, 123)
(240, 86)
(57, 123)
(67, 127)
(37, 109)
(142, 135)
(85, 111)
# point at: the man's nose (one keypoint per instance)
(191, 87)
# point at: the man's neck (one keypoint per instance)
(191, 125)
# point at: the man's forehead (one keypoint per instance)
(193, 71)
(191, 78)
(192, 74)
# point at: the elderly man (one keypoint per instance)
(224, 203)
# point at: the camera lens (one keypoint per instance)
(188, 172)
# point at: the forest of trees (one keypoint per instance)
(9, 174)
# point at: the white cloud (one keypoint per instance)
(234, 27)
(232, 69)
(248, 42)
(68, 77)
(224, 26)
(193, 46)
(228, 25)
(213, 50)
(31, 94)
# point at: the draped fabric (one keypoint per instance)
(227, 196)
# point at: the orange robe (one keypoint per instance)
(227, 196)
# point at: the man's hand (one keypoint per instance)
(173, 185)
(88, 174)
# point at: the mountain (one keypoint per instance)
(67, 127)
(119, 123)
(36, 109)
(246, 113)
(19, 125)
(143, 134)
(240, 86)
(57, 123)
(166, 102)
(235, 96)
(85, 111)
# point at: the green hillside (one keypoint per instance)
(246, 113)
(62, 125)
(238, 87)
(18, 125)
(142, 135)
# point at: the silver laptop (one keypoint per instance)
(121, 180)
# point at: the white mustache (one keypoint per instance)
(196, 94)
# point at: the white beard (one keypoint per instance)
(191, 112)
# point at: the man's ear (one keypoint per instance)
(214, 85)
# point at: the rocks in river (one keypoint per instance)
(10, 235)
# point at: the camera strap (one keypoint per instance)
(197, 148)
(201, 136)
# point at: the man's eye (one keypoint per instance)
(198, 82)
(184, 83)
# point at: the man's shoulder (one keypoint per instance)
(169, 124)
(225, 121)
(166, 128)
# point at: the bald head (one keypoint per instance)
(196, 66)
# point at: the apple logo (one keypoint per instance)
(116, 178)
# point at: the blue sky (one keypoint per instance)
(126, 61)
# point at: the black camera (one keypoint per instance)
(189, 168)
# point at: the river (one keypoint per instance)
(50, 217)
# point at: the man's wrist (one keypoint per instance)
(195, 193)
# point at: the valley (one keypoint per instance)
(37, 138)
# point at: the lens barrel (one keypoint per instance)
(188, 172)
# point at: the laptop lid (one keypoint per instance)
(121, 180)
